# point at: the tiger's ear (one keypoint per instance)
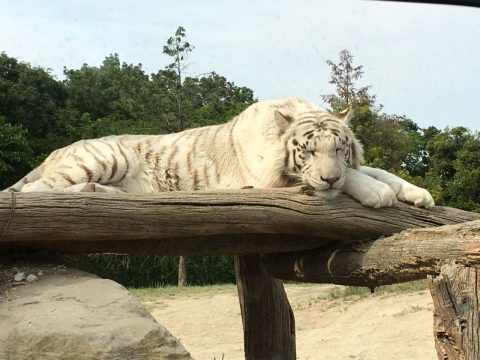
(282, 121)
(346, 115)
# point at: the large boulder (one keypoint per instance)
(54, 312)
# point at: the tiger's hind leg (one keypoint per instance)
(31, 177)
(43, 186)
(94, 187)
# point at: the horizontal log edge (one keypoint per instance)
(202, 222)
(409, 255)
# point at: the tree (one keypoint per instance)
(344, 76)
(178, 48)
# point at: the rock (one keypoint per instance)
(40, 273)
(79, 318)
(31, 278)
(19, 276)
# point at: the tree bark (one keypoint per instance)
(457, 312)
(182, 271)
(410, 255)
(219, 222)
(268, 320)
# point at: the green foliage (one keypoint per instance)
(212, 99)
(16, 156)
(178, 48)
(31, 97)
(385, 144)
(455, 167)
(145, 271)
(111, 99)
(350, 292)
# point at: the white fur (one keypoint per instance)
(403, 190)
(367, 190)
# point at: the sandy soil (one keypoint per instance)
(381, 327)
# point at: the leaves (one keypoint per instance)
(16, 155)
(455, 167)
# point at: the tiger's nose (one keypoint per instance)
(330, 180)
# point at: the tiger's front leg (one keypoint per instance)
(367, 190)
(403, 190)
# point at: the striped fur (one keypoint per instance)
(270, 144)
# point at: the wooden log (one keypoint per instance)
(455, 294)
(268, 320)
(201, 223)
(410, 255)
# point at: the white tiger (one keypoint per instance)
(272, 143)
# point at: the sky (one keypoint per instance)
(422, 60)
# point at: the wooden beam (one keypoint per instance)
(456, 316)
(201, 222)
(410, 255)
(268, 321)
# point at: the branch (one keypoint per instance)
(201, 222)
(410, 255)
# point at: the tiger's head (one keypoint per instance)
(319, 148)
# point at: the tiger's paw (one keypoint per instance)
(376, 194)
(415, 195)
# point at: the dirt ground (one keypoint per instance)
(380, 327)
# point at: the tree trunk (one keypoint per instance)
(268, 321)
(182, 271)
(456, 314)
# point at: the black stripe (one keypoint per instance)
(67, 177)
(114, 167)
(126, 163)
(306, 122)
(87, 171)
(294, 152)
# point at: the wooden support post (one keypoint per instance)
(182, 271)
(268, 321)
(456, 316)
